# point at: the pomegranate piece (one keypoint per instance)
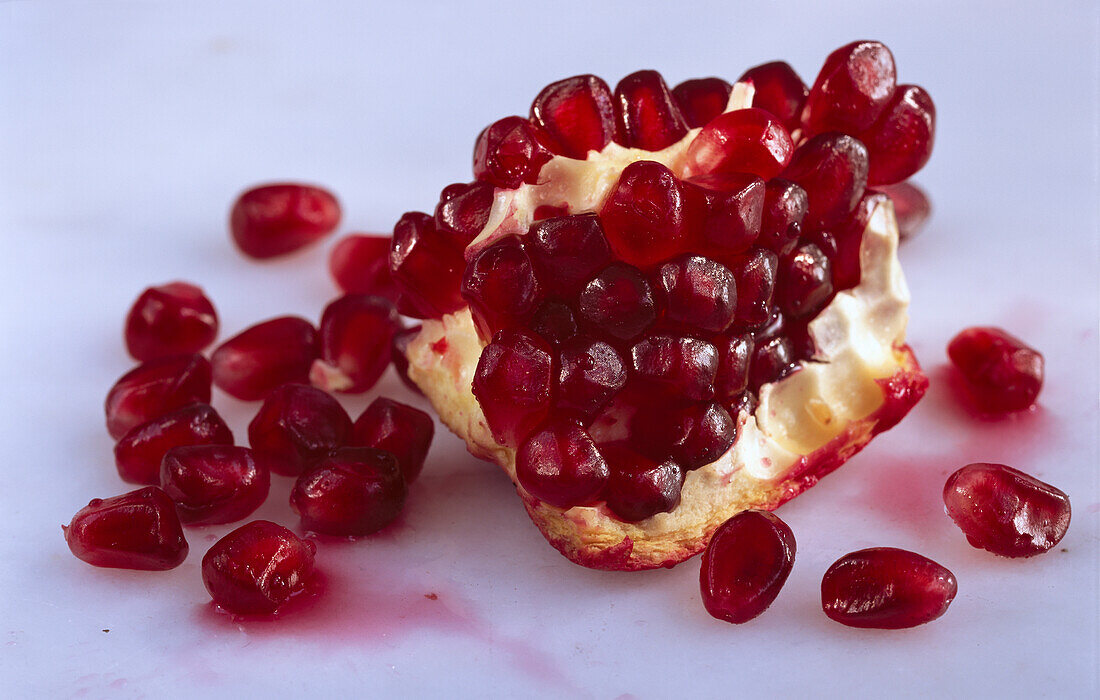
(852, 89)
(698, 294)
(137, 530)
(462, 212)
(734, 355)
(886, 588)
(560, 465)
(254, 362)
(735, 206)
(646, 216)
(257, 568)
(501, 287)
(832, 168)
(171, 319)
(356, 333)
(743, 141)
(779, 90)
(755, 277)
(676, 366)
(213, 483)
(355, 491)
(403, 431)
(693, 435)
(139, 453)
(900, 142)
(513, 384)
(510, 152)
(785, 207)
(618, 301)
(567, 252)
(806, 282)
(555, 322)
(646, 115)
(577, 114)
(1003, 373)
(911, 206)
(273, 220)
(426, 266)
(591, 373)
(745, 565)
(398, 347)
(847, 239)
(296, 427)
(701, 99)
(360, 264)
(639, 487)
(155, 388)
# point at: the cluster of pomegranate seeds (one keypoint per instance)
(138, 453)
(257, 568)
(356, 333)
(137, 530)
(745, 564)
(170, 319)
(274, 220)
(296, 427)
(1002, 372)
(155, 388)
(259, 359)
(360, 264)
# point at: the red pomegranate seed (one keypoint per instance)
(398, 347)
(852, 89)
(356, 333)
(577, 113)
(567, 252)
(755, 287)
(618, 301)
(171, 319)
(772, 359)
(701, 99)
(426, 267)
(213, 483)
(746, 402)
(646, 114)
(900, 142)
(139, 453)
(745, 565)
(1005, 511)
(555, 322)
(257, 568)
(677, 366)
(832, 168)
(848, 238)
(778, 90)
(734, 355)
(639, 487)
(274, 220)
(591, 373)
(463, 211)
(693, 435)
(360, 264)
(911, 206)
(501, 287)
(698, 294)
(137, 530)
(510, 152)
(560, 465)
(806, 282)
(252, 363)
(353, 492)
(403, 431)
(646, 216)
(154, 388)
(743, 141)
(785, 207)
(735, 205)
(513, 384)
(1003, 373)
(296, 427)
(886, 588)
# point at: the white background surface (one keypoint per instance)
(126, 129)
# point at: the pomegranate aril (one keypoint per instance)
(646, 114)
(701, 99)
(900, 142)
(403, 431)
(679, 367)
(832, 168)
(154, 388)
(355, 491)
(779, 90)
(510, 152)
(848, 238)
(745, 565)
(252, 363)
(426, 267)
(360, 264)
(257, 568)
(735, 204)
(744, 141)
(555, 322)
(274, 220)
(852, 89)
(806, 282)
(1005, 511)
(618, 301)
(139, 453)
(694, 435)
(772, 359)
(137, 530)
(911, 207)
(399, 345)
(735, 353)
(356, 333)
(513, 384)
(577, 113)
(501, 287)
(755, 276)
(639, 487)
(648, 217)
(886, 588)
(698, 294)
(567, 251)
(1003, 373)
(591, 373)
(747, 402)
(296, 427)
(463, 211)
(213, 483)
(560, 465)
(170, 319)
(785, 207)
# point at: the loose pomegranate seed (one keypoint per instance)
(832, 168)
(154, 388)
(755, 287)
(403, 431)
(463, 211)
(618, 301)
(852, 89)
(171, 319)
(355, 491)
(848, 237)
(213, 483)
(139, 453)
(274, 220)
(911, 207)
(734, 355)
(513, 384)
(646, 216)
(779, 90)
(677, 366)
(360, 264)
(591, 373)
(1005, 511)
(1003, 373)
(356, 333)
(698, 294)
(900, 142)
(510, 152)
(252, 363)
(257, 568)
(296, 427)
(745, 565)
(137, 530)
(559, 464)
(501, 287)
(577, 113)
(555, 322)
(735, 205)
(639, 487)
(398, 347)
(646, 114)
(693, 435)
(744, 141)
(426, 267)
(772, 359)
(807, 282)
(785, 207)
(886, 588)
(567, 252)
(701, 99)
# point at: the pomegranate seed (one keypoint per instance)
(698, 294)
(694, 435)
(403, 431)
(746, 402)
(513, 384)
(785, 207)
(911, 206)
(296, 427)
(1005, 511)
(510, 152)
(832, 168)
(677, 366)
(886, 588)
(772, 359)
(734, 354)
(139, 453)
(213, 483)
(848, 238)
(355, 491)
(360, 264)
(137, 530)
(172, 319)
(398, 347)
(646, 216)
(745, 565)
(257, 568)
(779, 90)
(356, 333)
(154, 388)
(852, 89)
(591, 373)
(755, 287)
(735, 205)
(618, 301)
(274, 220)
(900, 142)
(567, 252)
(807, 282)
(639, 487)
(701, 99)
(252, 363)
(646, 114)
(1003, 373)
(463, 211)
(426, 267)
(555, 322)
(560, 465)
(501, 287)
(745, 141)
(577, 113)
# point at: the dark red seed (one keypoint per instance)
(549, 211)
(694, 435)
(213, 483)
(734, 356)
(560, 465)
(577, 113)
(806, 282)
(510, 152)
(785, 207)
(779, 90)
(426, 267)
(567, 252)
(886, 588)
(139, 453)
(900, 142)
(677, 366)
(296, 427)
(746, 402)
(646, 114)
(735, 205)
(398, 347)
(911, 207)
(832, 168)
(745, 565)
(1003, 373)
(647, 217)
(137, 530)
(848, 237)
(555, 322)
(742, 141)
(274, 220)
(355, 491)
(170, 319)
(155, 388)
(356, 334)
(772, 359)
(618, 301)
(501, 287)
(513, 384)
(701, 99)
(257, 568)
(360, 264)
(698, 294)
(254, 362)
(639, 487)
(852, 89)
(591, 373)
(403, 431)
(755, 277)
(463, 211)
